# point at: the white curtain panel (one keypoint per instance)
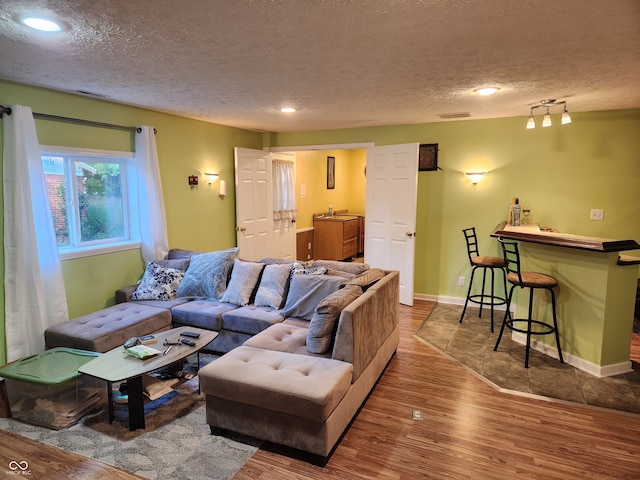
(284, 199)
(35, 297)
(153, 224)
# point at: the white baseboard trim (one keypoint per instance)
(599, 371)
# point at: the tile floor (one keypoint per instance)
(471, 343)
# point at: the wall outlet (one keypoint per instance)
(461, 281)
(596, 214)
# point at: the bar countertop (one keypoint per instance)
(533, 234)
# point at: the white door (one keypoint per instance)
(257, 234)
(390, 220)
(284, 231)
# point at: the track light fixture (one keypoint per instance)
(546, 122)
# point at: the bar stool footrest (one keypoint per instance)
(494, 300)
(549, 329)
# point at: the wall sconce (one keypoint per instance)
(211, 177)
(475, 177)
(546, 122)
(223, 189)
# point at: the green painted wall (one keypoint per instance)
(561, 173)
(311, 171)
(197, 219)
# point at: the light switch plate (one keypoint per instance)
(596, 214)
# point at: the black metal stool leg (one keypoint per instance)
(555, 324)
(529, 325)
(466, 302)
(484, 278)
(507, 316)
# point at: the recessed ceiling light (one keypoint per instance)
(287, 109)
(42, 24)
(486, 90)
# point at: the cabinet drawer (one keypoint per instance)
(349, 248)
(350, 230)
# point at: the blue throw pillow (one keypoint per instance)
(207, 274)
(307, 291)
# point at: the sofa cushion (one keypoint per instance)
(368, 278)
(109, 328)
(201, 313)
(158, 283)
(281, 338)
(273, 284)
(349, 267)
(244, 278)
(322, 326)
(250, 319)
(179, 253)
(207, 274)
(306, 292)
(179, 263)
(299, 385)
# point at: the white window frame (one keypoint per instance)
(129, 195)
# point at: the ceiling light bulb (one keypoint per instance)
(287, 109)
(546, 121)
(486, 90)
(565, 117)
(531, 123)
(42, 24)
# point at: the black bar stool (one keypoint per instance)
(485, 263)
(532, 281)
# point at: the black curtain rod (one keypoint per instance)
(80, 121)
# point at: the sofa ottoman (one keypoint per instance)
(109, 328)
(272, 390)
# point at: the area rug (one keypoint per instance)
(175, 445)
(471, 344)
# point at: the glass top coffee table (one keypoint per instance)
(117, 366)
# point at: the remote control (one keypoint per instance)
(190, 334)
(186, 341)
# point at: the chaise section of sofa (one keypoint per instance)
(273, 389)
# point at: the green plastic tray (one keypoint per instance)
(54, 366)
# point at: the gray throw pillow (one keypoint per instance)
(207, 274)
(307, 291)
(158, 283)
(273, 285)
(323, 324)
(368, 278)
(244, 278)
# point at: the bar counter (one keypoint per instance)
(595, 296)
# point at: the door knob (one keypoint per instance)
(410, 234)
(241, 229)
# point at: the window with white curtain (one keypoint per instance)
(284, 199)
(91, 200)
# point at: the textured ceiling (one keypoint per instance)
(341, 63)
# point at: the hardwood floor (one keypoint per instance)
(21, 457)
(469, 431)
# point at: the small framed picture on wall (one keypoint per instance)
(428, 157)
(331, 173)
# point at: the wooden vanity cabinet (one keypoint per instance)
(336, 238)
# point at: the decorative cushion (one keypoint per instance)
(179, 263)
(179, 253)
(158, 283)
(306, 292)
(272, 286)
(306, 269)
(323, 323)
(349, 267)
(207, 274)
(244, 278)
(368, 278)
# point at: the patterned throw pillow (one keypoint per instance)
(272, 286)
(158, 283)
(244, 277)
(307, 269)
(207, 274)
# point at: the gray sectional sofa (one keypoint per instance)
(301, 344)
